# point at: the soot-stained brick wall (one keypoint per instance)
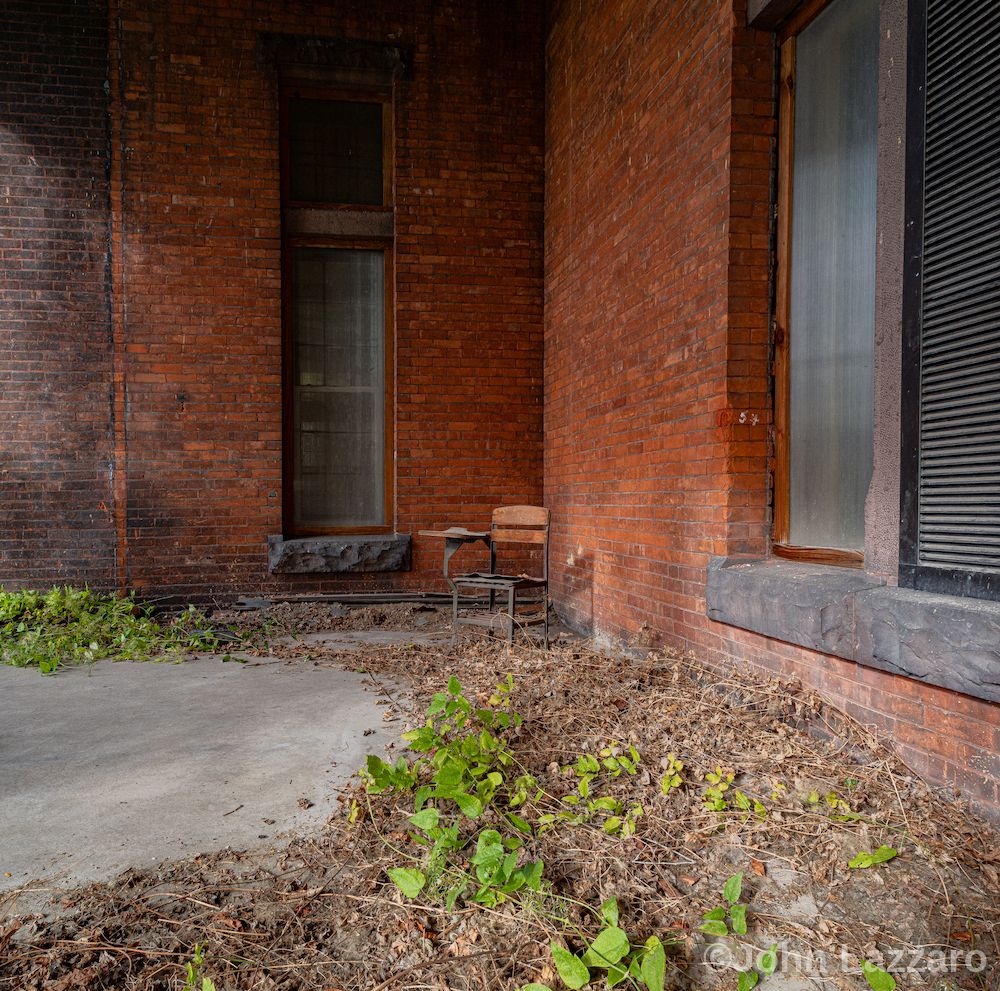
(56, 503)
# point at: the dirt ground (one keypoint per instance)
(810, 790)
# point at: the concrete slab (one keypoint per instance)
(129, 764)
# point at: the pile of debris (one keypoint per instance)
(641, 787)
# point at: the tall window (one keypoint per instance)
(826, 282)
(337, 229)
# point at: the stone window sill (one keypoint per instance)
(943, 640)
(338, 555)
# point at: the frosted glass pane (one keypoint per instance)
(338, 383)
(832, 319)
(335, 151)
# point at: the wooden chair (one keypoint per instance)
(510, 525)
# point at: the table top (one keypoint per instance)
(457, 532)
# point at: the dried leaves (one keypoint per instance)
(321, 913)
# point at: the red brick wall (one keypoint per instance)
(639, 428)
(200, 246)
(55, 377)
(659, 154)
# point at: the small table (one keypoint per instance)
(454, 537)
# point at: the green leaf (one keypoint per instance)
(653, 967)
(533, 875)
(716, 915)
(768, 962)
(738, 913)
(609, 911)
(454, 686)
(733, 889)
(422, 740)
(408, 879)
(608, 948)
(880, 856)
(747, 980)
(378, 769)
(535, 987)
(612, 824)
(877, 978)
(572, 970)
(469, 804)
(453, 896)
(489, 850)
(426, 819)
(616, 974)
(521, 825)
(449, 777)
(714, 928)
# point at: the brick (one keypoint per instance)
(196, 222)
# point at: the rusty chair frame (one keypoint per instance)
(510, 525)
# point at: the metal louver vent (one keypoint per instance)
(958, 523)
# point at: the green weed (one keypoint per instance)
(467, 773)
(719, 782)
(715, 920)
(193, 979)
(613, 952)
(672, 778)
(76, 626)
(877, 978)
(864, 860)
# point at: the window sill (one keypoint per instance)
(338, 555)
(943, 640)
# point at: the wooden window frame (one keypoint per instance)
(310, 91)
(385, 245)
(780, 546)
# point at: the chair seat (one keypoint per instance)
(478, 580)
(478, 591)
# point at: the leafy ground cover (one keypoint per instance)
(557, 820)
(66, 626)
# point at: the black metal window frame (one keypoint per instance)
(913, 574)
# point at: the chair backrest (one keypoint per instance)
(522, 525)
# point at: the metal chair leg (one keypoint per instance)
(511, 601)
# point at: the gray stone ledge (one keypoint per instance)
(944, 640)
(325, 555)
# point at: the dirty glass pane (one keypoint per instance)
(832, 319)
(338, 383)
(335, 151)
